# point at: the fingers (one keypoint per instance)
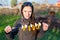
(7, 29)
(45, 26)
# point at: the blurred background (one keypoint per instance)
(10, 12)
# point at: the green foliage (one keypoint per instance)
(13, 3)
(5, 20)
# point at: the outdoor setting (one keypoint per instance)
(10, 12)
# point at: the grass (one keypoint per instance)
(5, 20)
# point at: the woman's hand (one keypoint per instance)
(45, 26)
(8, 29)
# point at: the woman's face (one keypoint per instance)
(27, 11)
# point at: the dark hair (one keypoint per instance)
(32, 21)
(52, 12)
(28, 4)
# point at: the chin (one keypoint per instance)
(27, 18)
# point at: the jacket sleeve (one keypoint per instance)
(40, 32)
(14, 31)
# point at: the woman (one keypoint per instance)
(27, 19)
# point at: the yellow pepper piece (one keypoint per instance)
(29, 28)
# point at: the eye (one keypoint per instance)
(30, 11)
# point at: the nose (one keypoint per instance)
(28, 14)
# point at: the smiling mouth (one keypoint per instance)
(27, 16)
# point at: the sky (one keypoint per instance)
(7, 2)
(49, 1)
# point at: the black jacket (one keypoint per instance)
(24, 35)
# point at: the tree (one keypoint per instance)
(13, 3)
(33, 2)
